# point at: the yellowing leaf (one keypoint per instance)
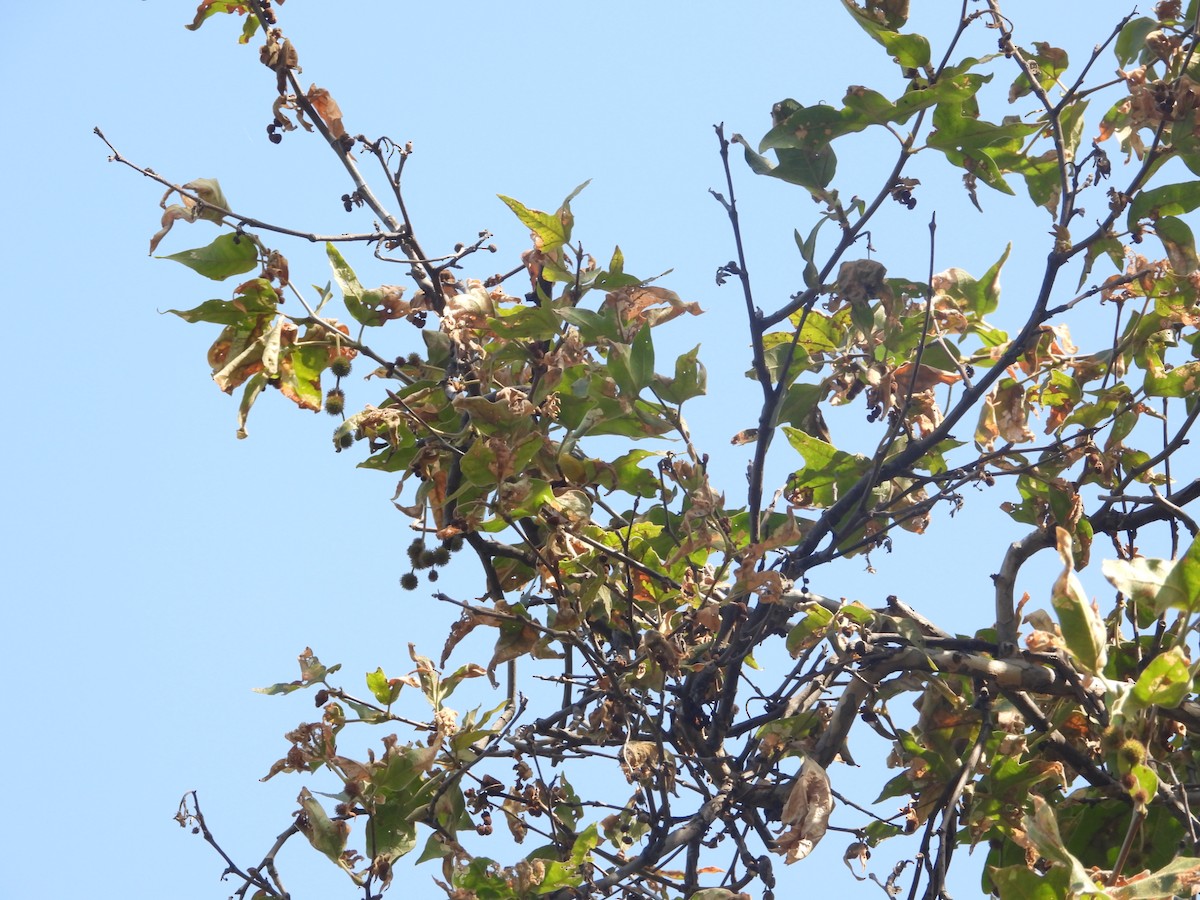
(325, 834)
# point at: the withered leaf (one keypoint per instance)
(328, 109)
(805, 813)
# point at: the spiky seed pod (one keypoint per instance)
(335, 402)
(340, 366)
(409, 581)
(1132, 753)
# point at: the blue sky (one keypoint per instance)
(157, 568)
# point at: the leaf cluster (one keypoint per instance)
(1058, 737)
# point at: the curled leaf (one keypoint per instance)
(1082, 627)
(805, 813)
(204, 202)
(325, 834)
(328, 109)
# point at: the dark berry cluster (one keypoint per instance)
(422, 558)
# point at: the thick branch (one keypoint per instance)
(1006, 581)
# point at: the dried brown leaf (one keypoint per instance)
(805, 813)
(328, 109)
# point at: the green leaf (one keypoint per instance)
(641, 359)
(1176, 879)
(1072, 126)
(1144, 788)
(326, 835)
(1139, 579)
(1179, 243)
(1022, 883)
(219, 312)
(624, 474)
(592, 324)
(550, 230)
(311, 672)
(532, 322)
(390, 832)
(1042, 831)
(525, 498)
(1165, 681)
(435, 848)
(616, 265)
(230, 254)
(1082, 629)
(819, 333)
(910, 51)
(384, 690)
(691, 379)
(810, 630)
(547, 228)
(1181, 588)
(812, 168)
(808, 251)
(801, 408)
(394, 458)
(208, 8)
(587, 840)
(827, 472)
(459, 675)
(361, 304)
(620, 369)
(1181, 381)
(808, 128)
(300, 375)
(1131, 42)
(1168, 200)
(1048, 62)
(978, 298)
(559, 875)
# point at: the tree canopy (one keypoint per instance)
(667, 707)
